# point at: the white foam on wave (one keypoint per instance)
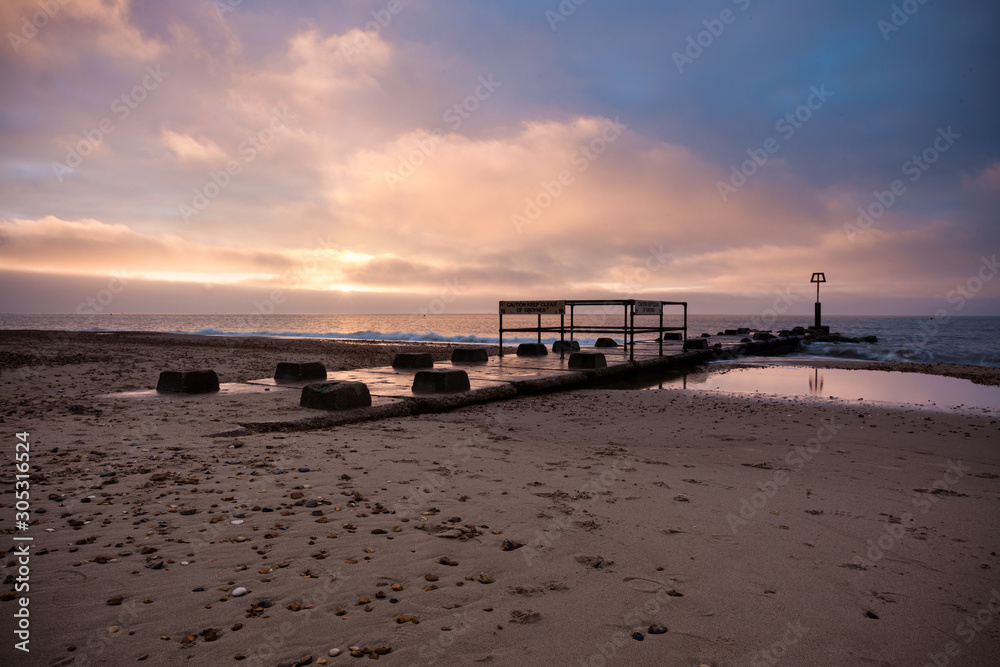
(397, 336)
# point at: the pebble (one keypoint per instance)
(239, 592)
(637, 636)
(485, 578)
(303, 469)
(657, 629)
(113, 629)
(430, 577)
(334, 652)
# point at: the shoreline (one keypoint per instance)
(987, 375)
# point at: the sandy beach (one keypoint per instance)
(536, 531)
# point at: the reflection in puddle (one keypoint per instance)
(928, 391)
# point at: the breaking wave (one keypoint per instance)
(397, 336)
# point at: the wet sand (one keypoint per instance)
(757, 532)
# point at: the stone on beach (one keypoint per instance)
(440, 381)
(587, 360)
(196, 381)
(566, 346)
(605, 342)
(295, 371)
(466, 355)
(405, 360)
(336, 395)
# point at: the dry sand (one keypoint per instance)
(757, 532)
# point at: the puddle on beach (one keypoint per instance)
(929, 392)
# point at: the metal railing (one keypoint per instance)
(627, 330)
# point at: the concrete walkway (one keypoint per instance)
(498, 379)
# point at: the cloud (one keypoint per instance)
(592, 167)
(989, 178)
(93, 247)
(188, 148)
(53, 29)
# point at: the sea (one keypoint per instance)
(953, 339)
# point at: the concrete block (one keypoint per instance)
(566, 346)
(469, 355)
(587, 360)
(732, 332)
(762, 335)
(440, 381)
(335, 395)
(743, 331)
(673, 335)
(406, 360)
(295, 371)
(200, 381)
(606, 342)
(798, 331)
(696, 344)
(532, 350)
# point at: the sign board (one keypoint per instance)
(532, 307)
(647, 308)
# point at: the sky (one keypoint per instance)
(405, 156)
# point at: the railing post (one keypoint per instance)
(631, 333)
(625, 326)
(661, 328)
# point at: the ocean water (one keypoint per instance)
(961, 340)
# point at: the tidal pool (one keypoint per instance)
(932, 392)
